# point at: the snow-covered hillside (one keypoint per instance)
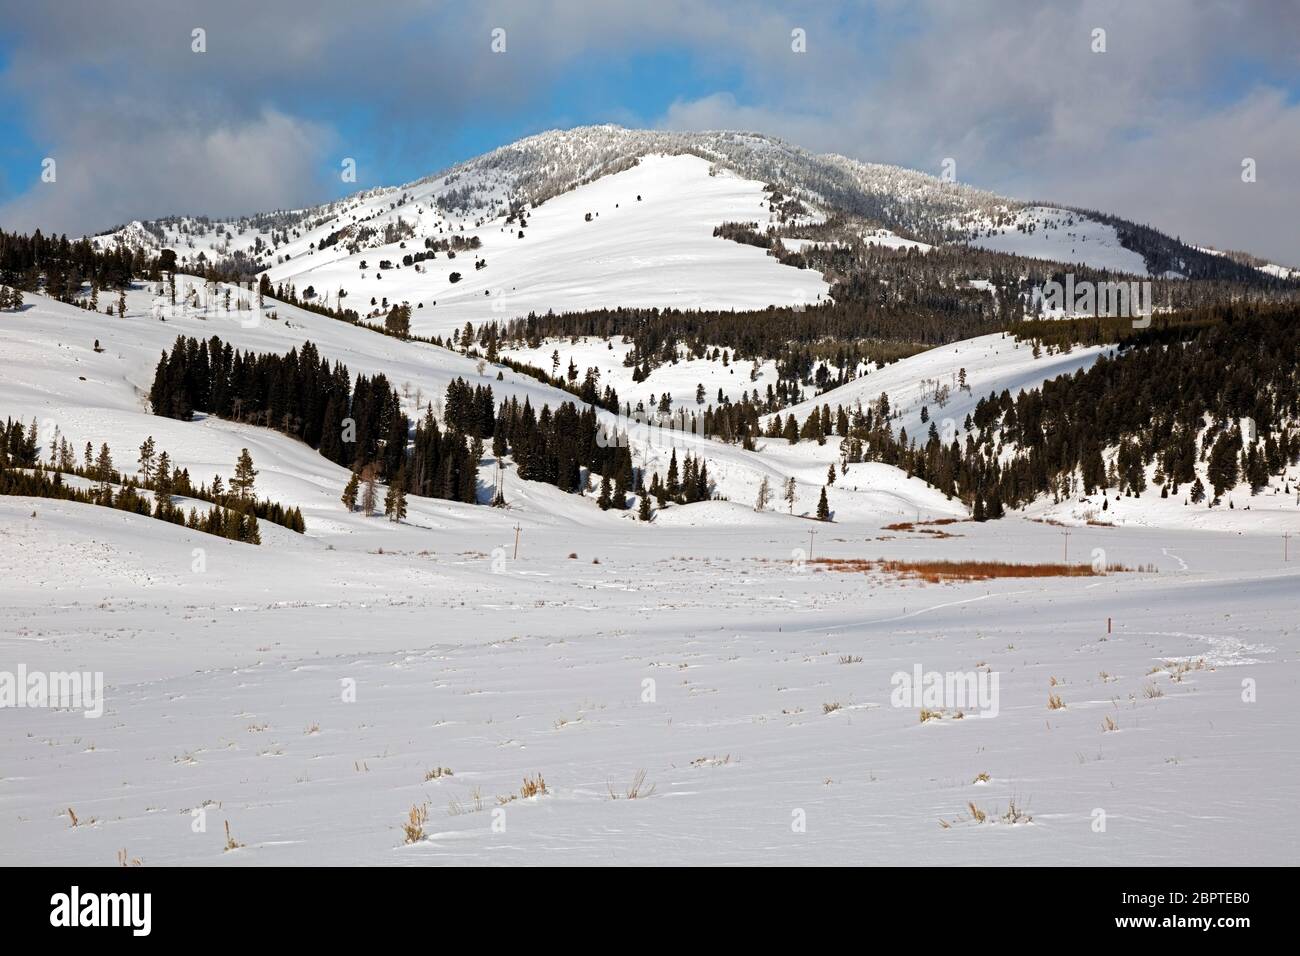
(1059, 235)
(637, 238)
(933, 380)
(50, 373)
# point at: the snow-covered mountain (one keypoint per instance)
(604, 217)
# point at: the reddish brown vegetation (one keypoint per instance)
(935, 572)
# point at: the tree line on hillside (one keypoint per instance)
(1170, 397)
(361, 424)
(234, 511)
(61, 267)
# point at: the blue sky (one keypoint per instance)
(608, 88)
(1154, 129)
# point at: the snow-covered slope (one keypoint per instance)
(932, 381)
(1059, 235)
(638, 238)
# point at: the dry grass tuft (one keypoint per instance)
(231, 842)
(416, 818)
(436, 773)
(1015, 814)
(633, 792)
(1108, 725)
(982, 778)
(533, 787)
(831, 707)
(1054, 702)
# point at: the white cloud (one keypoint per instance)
(265, 163)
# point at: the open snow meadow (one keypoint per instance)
(551, 682)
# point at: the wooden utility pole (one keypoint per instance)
(1067, 547)
(517, 530)
(1286, 544)
(812, 533)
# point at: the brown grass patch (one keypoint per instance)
(533, 787)
(912, 525)
(416, 818)
(936, 572)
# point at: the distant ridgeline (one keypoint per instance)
(233, 514)
(361, 424)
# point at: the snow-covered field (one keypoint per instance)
(304, 696)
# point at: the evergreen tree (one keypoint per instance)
(162, 478)
(350, 492)
(823, 507)
(1222, 465)
(245, 474)
(395, 500)
(104, 467)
